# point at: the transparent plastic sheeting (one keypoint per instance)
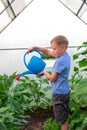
(78, 7)
(10, 9)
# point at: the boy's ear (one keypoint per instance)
(63, 47)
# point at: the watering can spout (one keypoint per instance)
(22, 74)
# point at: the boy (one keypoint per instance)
(59, 78)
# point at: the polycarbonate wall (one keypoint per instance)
(37, 25)
(78, 7)
(10, 9)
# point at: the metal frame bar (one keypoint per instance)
(76, 14)
(84, 1)
(9, 49)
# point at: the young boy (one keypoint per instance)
(59, 78)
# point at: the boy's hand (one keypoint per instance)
(41, 74)
(30, 49)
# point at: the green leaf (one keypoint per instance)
(3, 109)
(85, 121)
(82, 86)
(84, 44)
(76, 69)
(82, 63)
(75, 56)
(84, 52)
(85, 69)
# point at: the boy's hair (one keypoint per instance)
(60, 40)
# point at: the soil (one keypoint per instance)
(36, 121)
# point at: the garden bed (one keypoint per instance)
(38, 118)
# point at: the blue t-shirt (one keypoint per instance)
(62, 67)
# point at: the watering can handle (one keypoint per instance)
(24, 58)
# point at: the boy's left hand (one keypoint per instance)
(41, 74)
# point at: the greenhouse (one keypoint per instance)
(26, 101)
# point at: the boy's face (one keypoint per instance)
(57, 49)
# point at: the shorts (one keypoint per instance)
(61, 107)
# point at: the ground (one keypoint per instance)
(37, 119)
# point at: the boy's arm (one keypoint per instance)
(42, 49)
(52, 77)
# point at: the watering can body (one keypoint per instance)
(34, 66)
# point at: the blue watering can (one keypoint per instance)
(34, 66)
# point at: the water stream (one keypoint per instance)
(12, 87)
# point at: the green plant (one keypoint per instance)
(47, 57)
(50, 124)
(37, 92)
(78, 83)
(78, 104)
(5, 82)
(28, 95)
